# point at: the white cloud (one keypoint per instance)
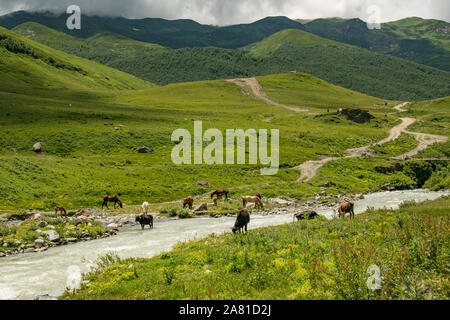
(225, 12)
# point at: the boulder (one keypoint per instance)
(113, 226)
(203, 184)
(39, 242)
(52, 235)
(201, 207)
(145, 150)
(37, 147)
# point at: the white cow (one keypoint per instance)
(145, 207)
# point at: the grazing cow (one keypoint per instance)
(189, 201)
(114, 199)
(219, 193)
(346, 207)
(308, 214)
(144, 207)
(145, 219)
(255, 199)
(60, 209)
(242, 219)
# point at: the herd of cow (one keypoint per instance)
(243, 216)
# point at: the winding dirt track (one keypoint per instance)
(256, 91)
(309, 169)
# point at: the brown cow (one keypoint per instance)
(189, 201)
(346, 207)
(60, 209)
(114, 199)
(256, 199)
(219, 193)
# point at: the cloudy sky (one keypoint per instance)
(225, 12)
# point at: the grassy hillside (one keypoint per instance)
(352, 67)
(26, 65)
(347, 66)
(169, 33)
(424, 41)
(90, 142)
(316, 259)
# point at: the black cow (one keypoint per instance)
(308, 214)
(145, 219)
(242, 219)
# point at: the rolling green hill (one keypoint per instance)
(420, 40)
(26, 64)
(90, 142)
(288, 50)
(172, 34)
(352, 67)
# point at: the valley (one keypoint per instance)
(92, 114)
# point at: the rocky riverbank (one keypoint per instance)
(39, 231)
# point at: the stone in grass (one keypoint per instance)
(37, 147)
(203, 184)
(145, 150)
(201, 207)
(52, 235)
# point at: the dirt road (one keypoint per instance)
(309, 168)
(252, 87)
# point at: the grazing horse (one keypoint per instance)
(144, 219)
(60, 209)
(256, 199)
(242, 219)
(219, 193)
(189, 201)
(346, 207)
(308, 214)
(144, 207)
(114, 199)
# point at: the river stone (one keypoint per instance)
(39, 242)
(113, 226)
(52, 235)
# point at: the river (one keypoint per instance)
(28, 275)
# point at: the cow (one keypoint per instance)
(145, 219)
(189, 201)
(144, 207)
(308, 214)
(242, 219)
(219, 193)
(60, 209)
(256, 199)
(346, 207)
